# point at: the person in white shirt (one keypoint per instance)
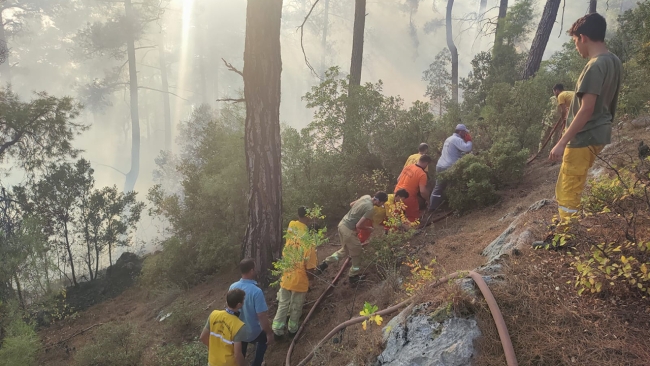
(456, 145)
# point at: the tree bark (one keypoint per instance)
(165, 95)
(357, 42)
(592, 6)
(503, 10)
(454, 53)
(68, 249)
(262, 71)
(323, 39)
(541, 38)
(352, 108)
(132, 175)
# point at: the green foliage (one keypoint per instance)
(391, 250)
(438, 77)
(187, 354)
(298, 246)
(183, 317)
(37, 132)
(469, 183)
(115, 344)
(208, 215)
(21, 344)
(610, 251)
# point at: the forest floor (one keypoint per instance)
(548, 326)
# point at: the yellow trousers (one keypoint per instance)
(350, 245)
(573, 176)
(289, 305)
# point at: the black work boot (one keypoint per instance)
(321, 268)
(354, 280)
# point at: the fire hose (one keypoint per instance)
(504, 336)
(548, 138)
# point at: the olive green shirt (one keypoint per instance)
(602, 77)
(363, 207)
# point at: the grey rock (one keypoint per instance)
(425, 342)
(641, 122)
(498, 246)
(539, 204)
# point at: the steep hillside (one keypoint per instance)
(548, 322)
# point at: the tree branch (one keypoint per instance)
(232, 68)
(302, 45)
(232, 100)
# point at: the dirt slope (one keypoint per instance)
(456, 242)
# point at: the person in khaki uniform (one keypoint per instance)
(361, 212)
(589, 123)
(294, 283)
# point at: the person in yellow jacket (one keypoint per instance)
(589, 124)
(223, 332)
(295, 283)
(423, 149)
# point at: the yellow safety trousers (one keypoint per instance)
(573, 176)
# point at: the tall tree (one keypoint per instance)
(541, 38)
(439, 80)
(592, 6)
(323, 39)
(117, 37)
(357, 42)
(454, 53)
(262, 70)
(503, 11)
(352, 108)
(162, 63)
(12, 18)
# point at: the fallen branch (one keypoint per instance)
(232, 68)
(74, 335)
(232, 100)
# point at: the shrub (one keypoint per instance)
(183, 317)
(187, 354)
(21, 343)
(610, 250)
(469, 184)
(113, 345)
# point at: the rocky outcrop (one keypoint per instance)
(418, 337)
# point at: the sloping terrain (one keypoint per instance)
(548, 322)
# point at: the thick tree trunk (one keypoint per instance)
(19, 290)
(262, 71)
(541, 38)
(454, 53)
(132, 175)
(165, 94)
(503, 10)
(323, 39)
(5, 70)
(357, 42)
(352, 108)
(592, 6)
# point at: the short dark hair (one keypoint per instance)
(246, 265)
(381, 196)
(402, 193)
(423, 147)
(425, 159)
(235, 297)
(559, 87)
(302, 211)
(591, 25)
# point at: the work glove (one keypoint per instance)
(468, 137)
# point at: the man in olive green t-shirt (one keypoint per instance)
(589, 125)
(361, 212)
